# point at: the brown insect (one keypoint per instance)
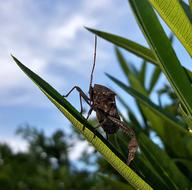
(102, 100)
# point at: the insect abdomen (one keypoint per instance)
(108, 125)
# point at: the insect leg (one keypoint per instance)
(81, 94)
(107, 136)
(89, 112)
(100, 125)
(127, 130)
(81, 104)
(133, 144)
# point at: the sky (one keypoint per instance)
(50, 38)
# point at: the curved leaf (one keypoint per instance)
(131, 46)
(127, 44)
(80, 123)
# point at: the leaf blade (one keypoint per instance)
(94, 137)
(175, 17)
(168, 60)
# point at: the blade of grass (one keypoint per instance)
(80, 123)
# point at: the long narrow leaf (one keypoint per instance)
(156, 109)
(127, 44)
(168, 60)
(131, 46)
(143, 167)
(163, 164)
(133, 79)
(187, 10)
(94, 137)
(165, 125)
(128, 73)
(154, 79)
(142, 74)
(173, 14)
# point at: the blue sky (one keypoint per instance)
(50, 39)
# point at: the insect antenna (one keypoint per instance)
(94, 61)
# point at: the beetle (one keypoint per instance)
(102, 100)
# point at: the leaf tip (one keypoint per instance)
(14, 58)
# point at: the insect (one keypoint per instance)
(102, 100)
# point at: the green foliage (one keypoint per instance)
(45, 165)
(167, 166)
(163, 120)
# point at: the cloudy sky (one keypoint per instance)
(50, 39)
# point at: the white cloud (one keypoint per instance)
(43, 35)
(62, 35)
(78, 149)
(16, 143)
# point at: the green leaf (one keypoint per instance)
(175, 17)
(148, 103)
(142, 75)
(115, 184)
(139, 50)
(190, 5)
(168, 60)
(127, 44)
(187, 163)
(186, 9)
(133, 79)
(128, 73)
(154, 79)
(168, 127)
(80, 123)
(144, 168)
(163, 164)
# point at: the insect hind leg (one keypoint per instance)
(133, 143)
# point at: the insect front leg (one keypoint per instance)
(133, 144)
(81, 95)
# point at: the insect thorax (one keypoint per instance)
(104, 99)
